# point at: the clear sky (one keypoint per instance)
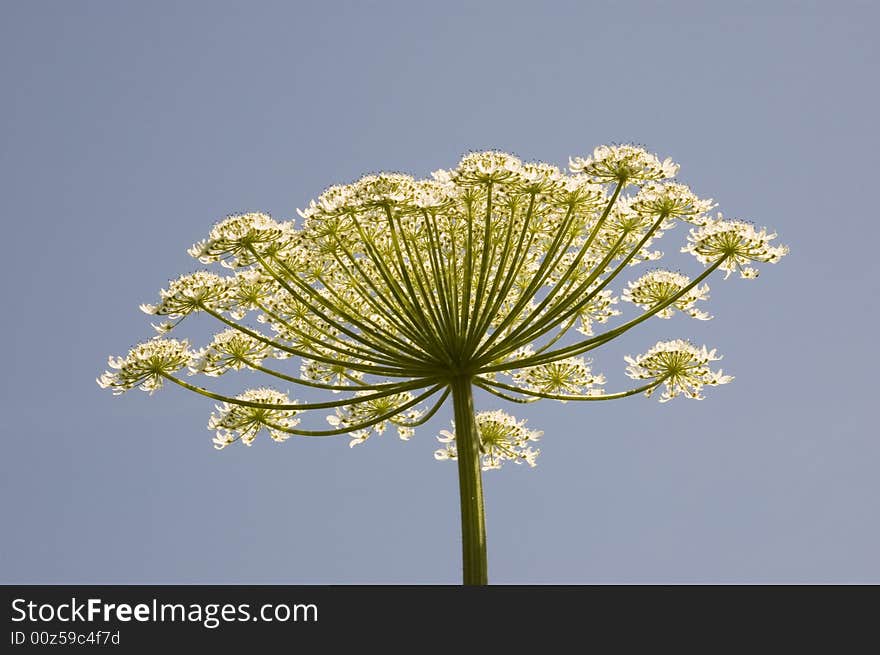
(129, 128)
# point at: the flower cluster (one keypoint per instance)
(502, 439)
(599, 309)
(250, 290)
(229, 349)
(189, 293)
(145, 365)
(671, 200)
(659, 287)
(232, 240)
(623, 163)
(390, 287)
(571, 376)
(738, 242)
(254, 411)
(680, 366)
(381, 410)
(484, 167)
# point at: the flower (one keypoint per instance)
(145, 365)
(580, 193)
(383, 190)
(502, 439)
(739, 242)
(332, 202)
(680, 365)
(623, 164)
(399, 285)
(432, 194)
(599, 309)
(190, 293)
(625, 228)
(336, 374)
(397, 290)
(670, 200)
(231, 240)
(483, 167)
(657, 287)
(233, 421)
(249, 289)
(368, 410)
(230, 349)
(539, 178)
(570, 376)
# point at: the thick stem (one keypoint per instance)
(470, 484)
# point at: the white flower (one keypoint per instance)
(579, 192)
(336, 374)
(599, 309)
(571, 376)
(233, 422)
(657, 287)
(539, 178)
(190, 293)
(448, 451)
(502, 439)
(671, 200)
(738, 241)
(331, 202)
(623, 163)
(625, 228)
(487, 166)
(230, 240)
(366, 410)
(682, 366)
(248, 290)
(432, 194)
(145, 365)
(383, 190)
(489, 269)
(230, 349)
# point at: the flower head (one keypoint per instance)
(539, 178)
(624, 164)
(383, 190)
(599, 309)
(432, 194)
(682, 367)
(248, 290)
(145, 365)
(671, 200)
(233, 421)
(487, 166)
(658, 287)
(230, 349)
(372, 409)
(334, 374)
(232, 240)
(393, 287)
(502, 439)
(739, 242)
(579, 192)
(566, 376)
(190, 293)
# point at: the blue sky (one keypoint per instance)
(129, 128)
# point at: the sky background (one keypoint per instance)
(129, 128)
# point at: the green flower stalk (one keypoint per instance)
(397, 294)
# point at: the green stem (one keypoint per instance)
(566, 397)
(470, 484)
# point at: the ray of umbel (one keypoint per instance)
(396, 294)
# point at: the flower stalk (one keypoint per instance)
(475, 567)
